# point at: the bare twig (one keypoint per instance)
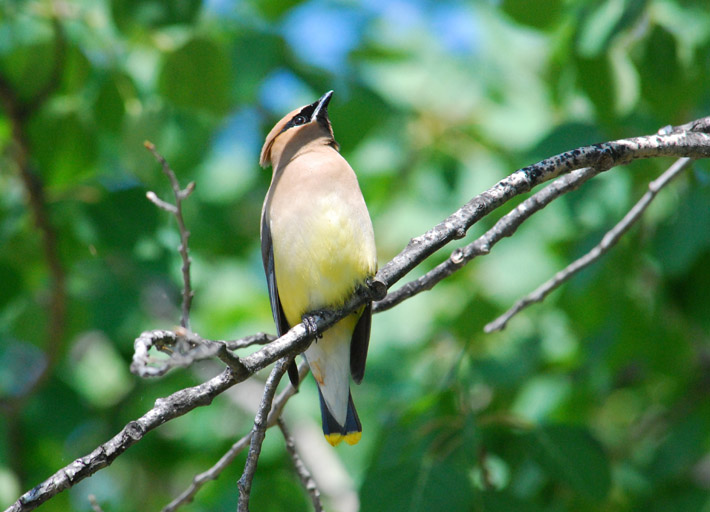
(184, 348)
(176, 210)
(18, 113)
(607, 242)
(258, 432)
(213, 473)
(301, 470)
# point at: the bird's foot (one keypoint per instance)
(310, 320)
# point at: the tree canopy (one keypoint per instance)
(596, 399)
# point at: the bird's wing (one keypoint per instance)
(359, 343)
(267, 256)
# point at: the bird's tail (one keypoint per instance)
(333, 431)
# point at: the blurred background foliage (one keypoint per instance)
(595, 400)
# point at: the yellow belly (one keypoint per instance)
(320, 259)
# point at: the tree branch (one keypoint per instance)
(165, 409)
(258, 432)
(184, 348)
(213, 473)
(18, 112)
(607, 242)
(505, 227)
(599, 156)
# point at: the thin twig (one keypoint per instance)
(301, 470)
(213, 473)
(258, 432)
(184, 348)
(176, 210)
(607, 242)
(505, 227)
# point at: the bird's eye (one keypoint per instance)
(299, 120)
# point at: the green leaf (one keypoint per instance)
(506, 502)
(571, 455)
(595, 77)
(11, 279)
(274, 9)
(65, 147)
(255, 55)
(540, 14)
(683, 447)
(197, 76)
(29, 68)
(423, 464)
(110, 104)
(137, 14)
(606, 21)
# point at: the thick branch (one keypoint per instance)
(599, 156)
(165, 409)
(505, 227)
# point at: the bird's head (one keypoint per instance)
(297, 128)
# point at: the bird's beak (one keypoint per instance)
(321, 109)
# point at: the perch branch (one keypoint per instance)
(692, 144)
(506, 226)
(607, 242)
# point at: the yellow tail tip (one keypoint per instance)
(353, 437)
(334, 439)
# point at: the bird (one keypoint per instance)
(318, 246)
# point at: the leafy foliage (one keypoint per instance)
(594, 400)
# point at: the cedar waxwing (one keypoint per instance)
(318, 245)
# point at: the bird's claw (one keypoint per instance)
(311, 323)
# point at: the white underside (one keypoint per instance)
(329, 360)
